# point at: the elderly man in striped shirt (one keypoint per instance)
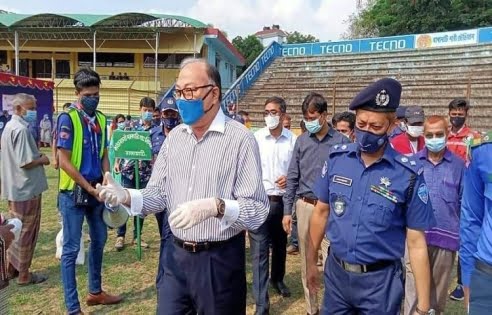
(208, 175)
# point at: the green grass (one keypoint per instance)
(124, 274)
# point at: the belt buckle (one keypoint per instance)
(191, 245)
(354, 268)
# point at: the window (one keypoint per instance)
(3, 57)
(165, 60)
(108, 60)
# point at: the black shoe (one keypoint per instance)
(281, 288)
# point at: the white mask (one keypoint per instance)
(272, 121)
(415, 131)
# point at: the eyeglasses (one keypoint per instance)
(187, 93)
(271, 113)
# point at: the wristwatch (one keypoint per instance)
(429, 312)
(220, 208)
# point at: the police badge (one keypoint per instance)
(339, 206)
(382, 99)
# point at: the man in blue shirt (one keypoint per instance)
(476, 227)
(83, 157)
(376, 199)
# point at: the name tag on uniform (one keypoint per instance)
(342, 180)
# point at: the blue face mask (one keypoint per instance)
(368, 141)
(313, 126)
(435, 144)
(192, 110)
(89, 103)
(146, 116)
(30, 116)
(122, 125)
(170, 123)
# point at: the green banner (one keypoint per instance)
(132, 145)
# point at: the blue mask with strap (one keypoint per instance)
(192, 110)
(30, 116)
(370, 142)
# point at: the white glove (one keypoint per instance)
(112, 193)
(191, 213)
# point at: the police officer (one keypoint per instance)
(376, 199)
(476, 227)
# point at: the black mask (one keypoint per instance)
(457, 121)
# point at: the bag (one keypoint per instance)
(59, 246)
(80, 196)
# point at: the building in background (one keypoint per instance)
(271, 34)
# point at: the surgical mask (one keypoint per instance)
(272, 121)
(30, 116)
(89, 102)
(435, 144)
(122, 125)
(146, 116)
(457, 121)
(369, 142)
(170, 123)
(313, 126)
(192, 110)
(415, 131)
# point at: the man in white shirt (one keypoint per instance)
(276, 145)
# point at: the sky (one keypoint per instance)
(324, 19)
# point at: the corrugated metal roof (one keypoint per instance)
(91, 20)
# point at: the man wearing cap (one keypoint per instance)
(411, 141)
(376, 199)
(399, 126)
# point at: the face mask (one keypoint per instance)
(30, 116)
(457, 122)
(313, 126)
(272, 121)
(435, 144)
(369, 142)
(156, 121)
(170, 123)
(122, 125)
(89, 102)
(415, 131)
(146, 116)
(192, 110)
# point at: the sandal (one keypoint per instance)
(35, 279)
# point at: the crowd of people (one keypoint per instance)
(382, 197)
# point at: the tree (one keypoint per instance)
(250, 47)
(298, 38)
(393, 17)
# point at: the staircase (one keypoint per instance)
(430, 78)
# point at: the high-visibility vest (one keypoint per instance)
(66, 182)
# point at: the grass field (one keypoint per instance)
(124, 274)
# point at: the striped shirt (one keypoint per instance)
(224, 163)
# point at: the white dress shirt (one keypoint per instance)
(275, 156)
(224, 163)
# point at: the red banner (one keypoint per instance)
(13, 80)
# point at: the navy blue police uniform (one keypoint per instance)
(370, 210)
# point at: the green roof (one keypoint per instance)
(130, 19)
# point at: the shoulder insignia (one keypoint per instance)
(340, 148)
(476, 141)
(409, 162)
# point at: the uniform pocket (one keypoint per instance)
(381, 209)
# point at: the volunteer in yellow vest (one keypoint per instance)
(83, 158)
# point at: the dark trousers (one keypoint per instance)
(210, 282)
(294, 239)
(130, 183)
(481, 290)
(458, 270)
(348, 293)
(271, 232)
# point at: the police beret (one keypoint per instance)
(381, 96)
(168, 103)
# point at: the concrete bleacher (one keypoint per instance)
(116, 96)
(430, 78)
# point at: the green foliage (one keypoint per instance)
(392, 17)
(298, 38)
(250, 47)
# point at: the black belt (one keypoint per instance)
(275, 198)
(310, 200)
(195, 247)
(364, 268)
(480, 265)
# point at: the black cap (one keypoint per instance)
(381, 96)
(414, 114)
(400, 112)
